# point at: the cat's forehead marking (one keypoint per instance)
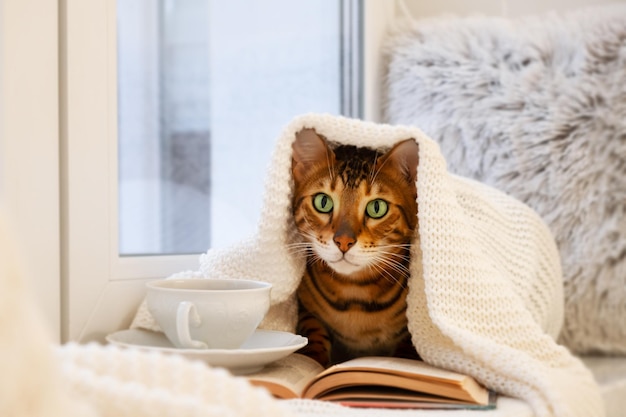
(355, 165)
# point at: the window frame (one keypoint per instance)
(100, 289)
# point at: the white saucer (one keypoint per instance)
(262, 348)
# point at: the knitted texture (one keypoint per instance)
(535, 107)
(29, 383)
(127, 382)
(485, 292)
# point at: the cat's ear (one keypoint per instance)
(309, 150)
(404, 157)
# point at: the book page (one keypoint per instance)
(331, 382)
(287, 377)
(372, 393)
(403, 366)
(409, 374)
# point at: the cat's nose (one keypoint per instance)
(344, 242)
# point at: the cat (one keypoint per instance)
(356, 212)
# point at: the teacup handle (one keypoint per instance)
(186, 316)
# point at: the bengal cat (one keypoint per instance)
(356, 211)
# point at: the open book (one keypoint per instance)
(373, 382)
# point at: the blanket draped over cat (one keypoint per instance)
(485, 293)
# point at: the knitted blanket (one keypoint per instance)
(485, 293)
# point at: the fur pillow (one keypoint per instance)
(537, 108)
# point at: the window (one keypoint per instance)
(204, 89)
(101, 289)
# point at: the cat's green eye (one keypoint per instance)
(323, 203)
(376, 208)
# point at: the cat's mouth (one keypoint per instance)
(344, 266)
(343, 263)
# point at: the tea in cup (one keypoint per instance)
(208, 313)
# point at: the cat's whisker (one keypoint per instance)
(400, 266)
(393, 264)
(299, 249)
(397, 256)
(392, 250)
(398, 252)
(380, 271)
(381, 259)
(304, 253)
(314, 258)
(373, 173)
(302, 248)
(388, 270)
(395, 245)
(386, 274)
(379, 169)
(309, 234)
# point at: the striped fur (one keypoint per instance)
(356, 211)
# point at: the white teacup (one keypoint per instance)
(208, 313)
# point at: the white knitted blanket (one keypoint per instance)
(485, 294)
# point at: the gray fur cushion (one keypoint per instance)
(535, 107)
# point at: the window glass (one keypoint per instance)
(204, 90)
